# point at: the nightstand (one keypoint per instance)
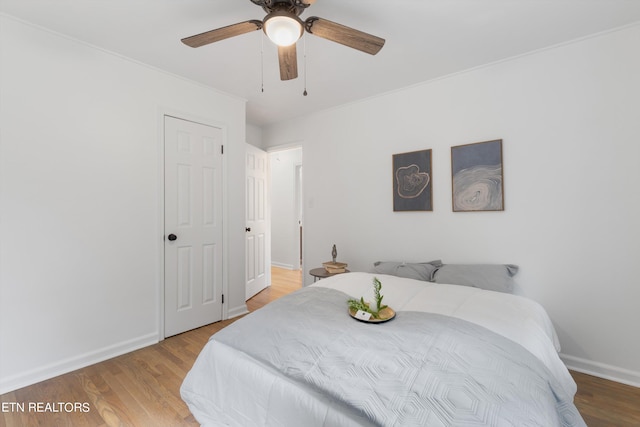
(321, 273)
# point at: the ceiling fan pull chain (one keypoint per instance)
(304, 48)
(262, 63)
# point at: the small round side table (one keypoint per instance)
(321, 273)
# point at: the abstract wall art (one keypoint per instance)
(412, 181)
(476, 172)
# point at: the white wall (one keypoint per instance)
(254, 135)
(569, 120)
(285, 241)
(80, 200)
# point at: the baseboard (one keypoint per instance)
(282, 265)
(34, 376)
(602, 370)
(237, 311)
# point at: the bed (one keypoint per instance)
(452, 356)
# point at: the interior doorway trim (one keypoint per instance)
(287, 147)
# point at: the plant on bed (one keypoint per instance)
(356, 305)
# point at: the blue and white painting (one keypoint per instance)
(477, 177)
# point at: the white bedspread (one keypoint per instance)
(520, 319)
(228, 387)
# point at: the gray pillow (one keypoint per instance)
(493, 277)
(412, 270)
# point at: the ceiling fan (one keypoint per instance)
(284, 27)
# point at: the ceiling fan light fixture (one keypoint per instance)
(283, 28)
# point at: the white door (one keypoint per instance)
(193, 225)
(257, 224)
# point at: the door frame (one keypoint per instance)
(162, 112)
(285, 147)
(299, 207)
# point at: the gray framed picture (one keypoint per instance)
(412, 182)
(477, 180)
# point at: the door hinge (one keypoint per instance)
(222, 149)
(222, 298)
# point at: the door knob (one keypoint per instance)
(247, 229)
(172, 237)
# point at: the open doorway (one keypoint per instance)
(287, 216)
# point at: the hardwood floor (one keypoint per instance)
(142, 388)
(605, 403)
(137, 389)
(282, 282)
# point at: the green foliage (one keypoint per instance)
(377, 285)
(361, 305)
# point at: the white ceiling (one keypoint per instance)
(425, 39)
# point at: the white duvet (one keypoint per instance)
(228, 387)
(520, 319)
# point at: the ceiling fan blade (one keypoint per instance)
(344, 35)
(288, 58)
(222, 33)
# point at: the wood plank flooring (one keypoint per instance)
(138, 389)
(142, 388)
(605, 403)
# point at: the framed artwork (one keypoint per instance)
(476, 173)
(412, 182)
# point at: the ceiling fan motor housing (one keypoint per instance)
(295, 7)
